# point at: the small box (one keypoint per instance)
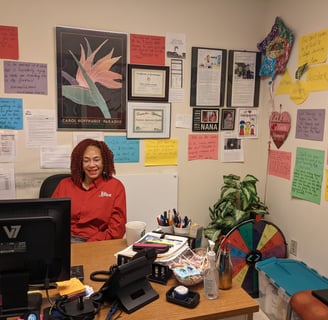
(279, 279)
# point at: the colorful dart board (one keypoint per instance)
(252, 241)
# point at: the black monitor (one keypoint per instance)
(34, 248)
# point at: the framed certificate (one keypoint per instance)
(149, 120)
(148, 83)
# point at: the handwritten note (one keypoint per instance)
(317, 78)
(125, 150)
(313, 48)
(280, 164)
(308, 174)
(161, 152)
(203, 146)
(310, 124)
(25, 77)
(146, 49)
(11, 113)
(8, 42)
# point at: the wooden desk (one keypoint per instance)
(100, 255)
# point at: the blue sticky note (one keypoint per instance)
(125, 150)
(11, 113)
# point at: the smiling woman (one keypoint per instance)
(98, 200)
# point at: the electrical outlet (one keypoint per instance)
(293, 247)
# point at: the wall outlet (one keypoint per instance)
(293, 247)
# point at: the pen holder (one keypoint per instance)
(166, 229)
(182, 231)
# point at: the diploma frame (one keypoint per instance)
(243, 76)
(203, 61)
(148, 83)
(147, 120)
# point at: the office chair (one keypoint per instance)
(49, 184)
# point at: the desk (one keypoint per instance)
(100, 255)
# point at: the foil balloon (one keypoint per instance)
(276, 49)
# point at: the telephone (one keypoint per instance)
(128, 283)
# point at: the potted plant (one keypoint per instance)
(238, 202)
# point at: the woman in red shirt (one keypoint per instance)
(98, 200)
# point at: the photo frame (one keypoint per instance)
(243, 87)
(208, 73)
(148, 120)
(205, 119)
(148, 83)
(86, 100)
(228, 119)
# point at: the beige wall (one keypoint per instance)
(231, 24)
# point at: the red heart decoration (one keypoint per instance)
(279, 123)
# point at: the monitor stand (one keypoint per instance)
(136, 294)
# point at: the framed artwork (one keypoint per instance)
(204, 119)
(148, 83)
(228, 117)
(243, 86)
(91, 79)
(208, 73)
(149, 120)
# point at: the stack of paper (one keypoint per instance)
(177, 245)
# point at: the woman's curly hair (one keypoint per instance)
(107, 155)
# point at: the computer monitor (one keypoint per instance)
(34, 248)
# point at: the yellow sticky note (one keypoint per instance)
(299, 92)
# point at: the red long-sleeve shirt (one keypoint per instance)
(98, 213)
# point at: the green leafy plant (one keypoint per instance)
(238, 202)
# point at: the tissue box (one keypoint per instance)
(279, 279)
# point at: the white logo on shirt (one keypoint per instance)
(104, 194)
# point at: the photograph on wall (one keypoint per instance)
(228, 119)
(91, 79)
(205, 119)
(208, 70)
(243, 84)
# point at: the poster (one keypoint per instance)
(91, 79)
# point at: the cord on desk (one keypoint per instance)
(113, 308)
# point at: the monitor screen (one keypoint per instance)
(34, 243)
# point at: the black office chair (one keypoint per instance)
(49, 184)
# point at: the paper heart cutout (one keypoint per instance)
(279, 123)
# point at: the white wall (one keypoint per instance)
(230, 24)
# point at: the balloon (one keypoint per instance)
(276, 49)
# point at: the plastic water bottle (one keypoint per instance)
(211, 276)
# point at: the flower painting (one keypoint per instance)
(91, 79)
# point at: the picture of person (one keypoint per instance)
(209, 116)
(228, 120)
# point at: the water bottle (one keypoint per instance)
(211, 281)
(224, 264)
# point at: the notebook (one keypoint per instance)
(322, 295)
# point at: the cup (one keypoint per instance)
(166, 229)
(134, 230)
(182, 231)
